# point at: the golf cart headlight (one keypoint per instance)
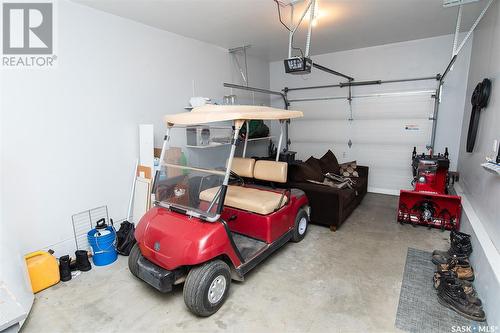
(421, 179)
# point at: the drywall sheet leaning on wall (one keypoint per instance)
(146, 145)
(142, 198)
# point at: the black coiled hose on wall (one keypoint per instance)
(479, 100)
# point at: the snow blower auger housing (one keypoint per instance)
(429, 203)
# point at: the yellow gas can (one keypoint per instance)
(43, 270)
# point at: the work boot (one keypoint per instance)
(82, 261)
(467, 287)
(453, 297)
(461, 267)
(460, 247)
(64, 269)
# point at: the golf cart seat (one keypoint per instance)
(256, 200)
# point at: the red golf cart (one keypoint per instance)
(216, 216)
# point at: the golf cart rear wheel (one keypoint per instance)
(133, 257)
(301, 224)
(206, 287)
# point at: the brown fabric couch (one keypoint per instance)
(329, 206)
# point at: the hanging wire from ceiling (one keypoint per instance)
(287, 27)
(234, 51)
(279, 15)
(246, 64)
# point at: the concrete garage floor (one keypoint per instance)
(347, 281)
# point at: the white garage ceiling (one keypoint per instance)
(346, 24)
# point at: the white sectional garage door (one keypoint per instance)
(378, 132)
(383, 132)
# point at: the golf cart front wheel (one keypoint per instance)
(206, 287)
(133, 257)
(300, 227)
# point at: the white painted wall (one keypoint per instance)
(480, 188)
(483, 188)
(70, 134)
(485, 259)
(378, 130)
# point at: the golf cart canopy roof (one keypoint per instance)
(214, 113)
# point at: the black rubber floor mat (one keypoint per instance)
(419, 309)
(248, 246)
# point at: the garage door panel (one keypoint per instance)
(399, 179)
(319, 131)
(386, 156)
(306, 149)
(382, 131)
(392, 108)
(393, 88)
(391, 131)
(319, 110)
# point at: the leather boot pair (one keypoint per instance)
(452, 295)
(461, 267)
(460, 247)
(467, 287)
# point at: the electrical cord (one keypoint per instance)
(297, 48)
(287, 28)
(279, 16)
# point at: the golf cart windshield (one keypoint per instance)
(194, 159)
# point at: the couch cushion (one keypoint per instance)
(314, 172)
(247, 198)
(348, 169)
(299, 172)
(329, 163)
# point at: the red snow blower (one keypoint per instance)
(430, 204)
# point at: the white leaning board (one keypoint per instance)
(146, 145)
(142, 195)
